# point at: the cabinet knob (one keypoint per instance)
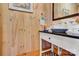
(49, 38)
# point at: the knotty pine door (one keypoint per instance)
(21, 35)
(16, 32)
(21, 29)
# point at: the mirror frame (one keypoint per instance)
(64, 17)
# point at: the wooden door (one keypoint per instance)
(16, 35)
(27, 33)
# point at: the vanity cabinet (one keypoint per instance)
(69, 45)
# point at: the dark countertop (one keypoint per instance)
(61, 34)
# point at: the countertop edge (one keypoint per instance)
(61, 34)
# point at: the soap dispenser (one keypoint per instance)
(42, 22)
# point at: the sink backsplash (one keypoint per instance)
(65, 24)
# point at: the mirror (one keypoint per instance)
(64, 9)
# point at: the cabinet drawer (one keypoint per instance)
(56, 40)
(46, 37)
(67, 43)
(70, 44)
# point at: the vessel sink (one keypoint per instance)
(59, 30)
(72, 32)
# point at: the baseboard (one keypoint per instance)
(33, 53)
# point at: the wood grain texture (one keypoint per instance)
(21, 29)
(1, 33)
(33, 53)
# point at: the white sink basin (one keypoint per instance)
(73, 32)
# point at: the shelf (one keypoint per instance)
(49, 53)
(46, 45)
(46, 50)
